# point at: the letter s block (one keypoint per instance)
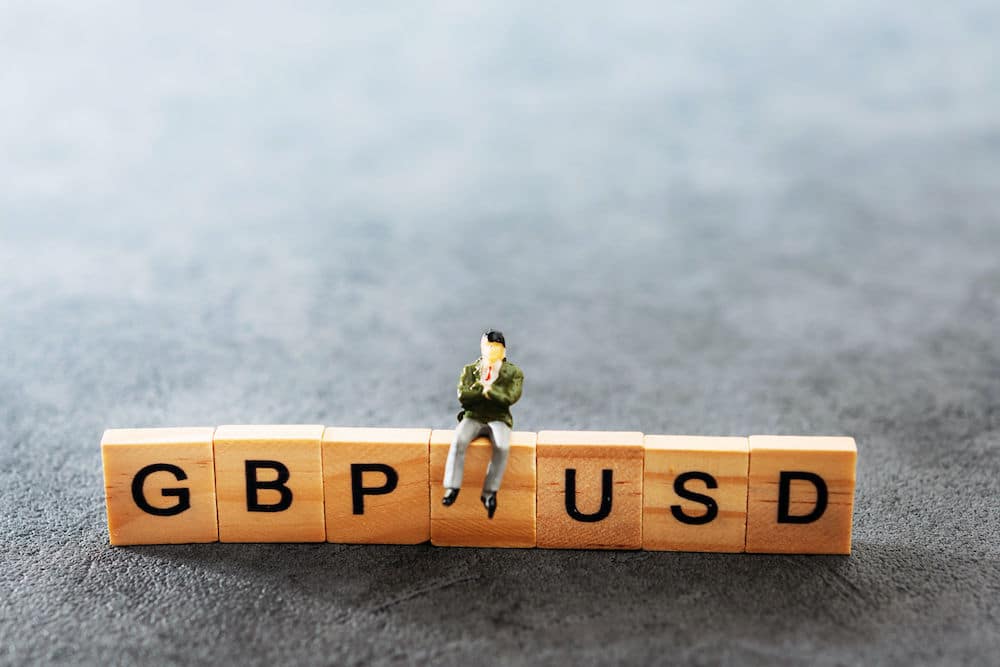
(801, 495)
(159, 485)
(375, 482)
(590, 490)
(694, 493)
(270, 483)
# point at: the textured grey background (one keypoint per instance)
(713, 219)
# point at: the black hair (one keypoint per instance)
(494, 336)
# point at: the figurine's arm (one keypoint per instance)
(507, 393)
(469, 391)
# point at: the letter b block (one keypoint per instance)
(375, 483)
(159, 485)
(590, 490)
(801, 495)
(270, 483)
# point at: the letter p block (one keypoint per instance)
(375, 481)
(159, 485)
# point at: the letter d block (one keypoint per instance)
(159, 485)
(694, 494)
(270, 483)
(590, 490)
(375, 482)
(465, 524)
(801, 495)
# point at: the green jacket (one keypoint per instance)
(495, 406)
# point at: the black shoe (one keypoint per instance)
(490, 503)
(449, 497)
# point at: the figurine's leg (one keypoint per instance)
(500, 436)
(466, 432)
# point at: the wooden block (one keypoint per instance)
(375, 484)
(606, 470)
(159, 485)
(694, 494)
(801, 495)
(465, 523)
(270, 483)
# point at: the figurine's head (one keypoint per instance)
(492, 346)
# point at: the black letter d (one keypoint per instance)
(784, 496)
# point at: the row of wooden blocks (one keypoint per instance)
(562, 489)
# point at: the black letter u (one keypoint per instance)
(606, 489)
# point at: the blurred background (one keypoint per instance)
(707, 218)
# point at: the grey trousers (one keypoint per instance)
(467, 431)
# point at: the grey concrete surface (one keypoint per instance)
(710, 218)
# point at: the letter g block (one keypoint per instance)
(801, 495)
(159, 485)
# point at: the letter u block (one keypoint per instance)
(694, 493)
(270, 483)
(159, 485)
(590, 490)
(801, 496)
(465, 523)
(375, 483)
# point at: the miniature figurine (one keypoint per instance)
(486, 390)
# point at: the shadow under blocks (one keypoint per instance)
(559, 489)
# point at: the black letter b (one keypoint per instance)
(253, 484)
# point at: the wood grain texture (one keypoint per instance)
(127, 451)
(465, 523)
(833, 459)
(726, 461)
(401, 516)
(589, 453)
(298, 448)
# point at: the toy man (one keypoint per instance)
(486, 390)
